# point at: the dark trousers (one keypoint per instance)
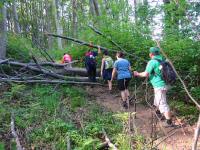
(91, 73)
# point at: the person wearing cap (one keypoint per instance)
(153, 72)
(106, 68)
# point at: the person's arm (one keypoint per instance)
(148, 70)
(102, 66)
(99, 50)
(113, 74)
(141, 74)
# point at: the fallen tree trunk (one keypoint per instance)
(39, 70)
(74, 71)
(50, 81)
(43, 72)
(78, 79)
(58, 73)
(52, 64)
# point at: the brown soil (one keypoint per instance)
(180, 140)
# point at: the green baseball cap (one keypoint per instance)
(154, 50)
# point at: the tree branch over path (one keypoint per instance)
(110, 40)
(184, 86)
(94, 46)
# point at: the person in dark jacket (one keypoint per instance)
(91, 64)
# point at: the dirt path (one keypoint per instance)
(177, 141)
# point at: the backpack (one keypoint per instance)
(108, 62)
(167, 72)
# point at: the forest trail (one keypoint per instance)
(177, 141)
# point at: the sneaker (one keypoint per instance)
(125, 105)
(131, 100)
(159, 115)
(168, 123)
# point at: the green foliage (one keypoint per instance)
(77, 97)
(48, 116)
(19, 48)
(90, 144)
(2, 146)
(16, 91)
(196, 92)
(185, 110)
(54, 132)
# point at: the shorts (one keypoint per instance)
(123, 83)
(160, 99)
(107, 74)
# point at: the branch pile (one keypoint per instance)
(41, 72)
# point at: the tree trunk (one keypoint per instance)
(166, 1)
(74, 19)
(49, 23)
(135, 11)
(15, 16)
(3, 37)
(96, 7)
(91, 7)
(59, 28)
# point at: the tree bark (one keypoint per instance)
(74, 19)
(196, 135)
(59, 28)
(15, 16)
(96, 7)
(86, 82)
(3, 30)
(91, 7)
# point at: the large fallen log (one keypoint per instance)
(35, 69)
(74, 71)
(42, 74)
(52, 64)
(49, 81)
(57, 73)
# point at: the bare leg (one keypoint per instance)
(123, 95)
(127, 93)
(109, 85)
(167, 115)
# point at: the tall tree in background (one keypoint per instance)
(59, 29)
(74, 19)
(3, 36)
(94, 7)
(15, 17)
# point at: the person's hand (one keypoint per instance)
(101, 73)
(135, 73)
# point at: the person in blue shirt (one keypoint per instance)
(122, 68)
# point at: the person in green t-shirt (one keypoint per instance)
(153, 72)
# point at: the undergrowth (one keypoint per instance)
(50, 117)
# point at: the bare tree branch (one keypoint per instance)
(14, 134)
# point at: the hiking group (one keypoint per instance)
(158, 71)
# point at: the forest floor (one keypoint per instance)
(179, 138)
